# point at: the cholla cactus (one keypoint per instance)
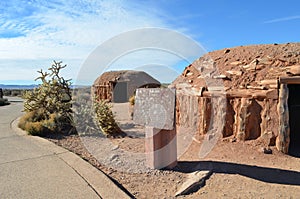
(53, 96)
(105, 118)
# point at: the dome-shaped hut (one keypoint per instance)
(251, 92)
(119, 86)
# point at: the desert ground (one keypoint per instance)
(239, 169)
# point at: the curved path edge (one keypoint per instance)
(95, 178)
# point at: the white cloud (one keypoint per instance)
(64, 30)
(289, 18)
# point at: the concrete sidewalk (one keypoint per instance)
(32, 167)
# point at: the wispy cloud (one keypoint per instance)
(63, 30)
(289, 18)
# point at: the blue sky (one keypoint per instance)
(35, 32)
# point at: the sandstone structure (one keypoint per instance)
(246, 92)
(119, 86)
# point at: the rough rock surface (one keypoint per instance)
(245, 66)
(248, 77)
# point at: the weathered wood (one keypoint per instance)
(294, 70)
(256, 87)
(220, 77)
(265, 117)
(239, 93)
(283, 138)
(259, 94)
(236, 63)
(243, 118)
(204, 114)
(236, 108)
(234, 72)
(289, 80)
(267, 81)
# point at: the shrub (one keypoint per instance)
(49, 105)
(35, 128)
(132, 100)
(34, 123)
(3, 102)
(106, 119)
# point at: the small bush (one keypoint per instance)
(106, 119)
(132, 100)
(34, 123)
(4, 102)
(35, 128)
(48, 106)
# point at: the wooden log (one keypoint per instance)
(205, 114)
(267, 82)
(243, 118)
(294, 70)
(239, 93)
(236, 63)
(220, 77)
(283, 138)
(264, 117)
(256, 94)
(236, 108)
(234, 72)
(289, 80)
(256, 87)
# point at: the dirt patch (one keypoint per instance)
(240, 169)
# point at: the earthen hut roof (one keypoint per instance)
(139, 77)
(246, 67)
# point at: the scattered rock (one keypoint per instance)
(267, 82)
(267, 150)
(193, 182)
(234, 72)
(220, 77)
(294, 70)
(251, 66)
(115, 147)
(256, 87)
(114, 157)
(236, 63)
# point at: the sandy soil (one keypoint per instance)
(240, 169)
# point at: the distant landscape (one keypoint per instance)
(18, 87)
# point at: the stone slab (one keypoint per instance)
(155, 107)
(194, 180)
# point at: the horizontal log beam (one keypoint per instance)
(289, 80)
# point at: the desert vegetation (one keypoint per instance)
(105, 118)
(14, 92)
(3, 102)
(48, 107)
(93, 115)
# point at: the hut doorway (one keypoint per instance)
(120, 92)
(294, 119)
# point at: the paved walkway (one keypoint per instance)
(31, 167)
